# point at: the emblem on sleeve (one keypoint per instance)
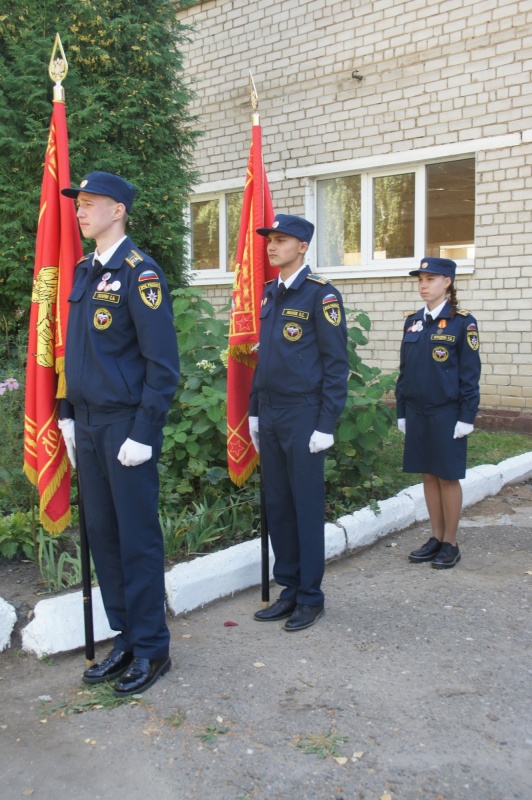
(102, 318)
(292, 331)
(332, 313)
(151, 293)
(440, 354)
(472, 339)
(148, 275)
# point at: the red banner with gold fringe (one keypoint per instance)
(252, 270)
(57, 251)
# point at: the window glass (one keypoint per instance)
(205, 222)
(233, 213)
(393, 216)
(451, 209)
(339, 221)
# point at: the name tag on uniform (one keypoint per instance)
(442, 337)
(295, 312)
(107, 297)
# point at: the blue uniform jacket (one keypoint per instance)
(439, 364)
(121, 349)
(303, 348)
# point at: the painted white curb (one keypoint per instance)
(8, 618)
(57, 624)
(58, 621)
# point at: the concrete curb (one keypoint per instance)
(57, 624)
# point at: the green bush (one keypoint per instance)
(194, 461)
(351, 467)
(16, 493)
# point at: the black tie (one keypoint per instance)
(428, 318)
(282, 289)
(96, 267)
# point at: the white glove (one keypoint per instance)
(254, 431)
(320, 441)
(131, 454)
(462, 429)
(67, 427)
(401, 424)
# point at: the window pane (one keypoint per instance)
(339, 222)
(234, 212)
(393, 216)
(451, 209)
(205, 219)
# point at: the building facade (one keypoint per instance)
(402, 129)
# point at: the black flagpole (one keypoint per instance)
(86, 582)
(264, 549)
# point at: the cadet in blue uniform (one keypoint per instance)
(122, 370)
(437, 396)
(299, 390)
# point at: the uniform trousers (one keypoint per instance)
(121, 518)
(294, 493)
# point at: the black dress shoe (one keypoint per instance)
(427, 552)
(303, 617)
(142, 674)
(279, 610)
(111, 667)
(448, 556)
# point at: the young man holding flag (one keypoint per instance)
(299, 390)
(122, 371)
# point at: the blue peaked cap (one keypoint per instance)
(107, 184)
(291, 225)
(438, 266)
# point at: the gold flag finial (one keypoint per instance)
(58, 68)
(254, 100)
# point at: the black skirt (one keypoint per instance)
(430, 447)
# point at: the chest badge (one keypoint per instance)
(292, 331)
(440, 354)
(416, 327)
(102, 318)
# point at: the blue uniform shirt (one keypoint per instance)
(439, 364)
(121, 350)
(303, 348)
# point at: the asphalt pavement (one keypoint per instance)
(414, 684)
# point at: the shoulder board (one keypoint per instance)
(268, 283)
(83, 258)
(133, 258)
(463, 312)
(409, 314)
(317, 279)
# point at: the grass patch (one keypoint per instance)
(322, 744)
(91, 698)
(176, 720)
(210, 733)
(484, 447)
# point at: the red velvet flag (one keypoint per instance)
(58, 249)
(252, 270)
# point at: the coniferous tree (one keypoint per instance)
(127, 113)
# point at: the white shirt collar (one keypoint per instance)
(435, 311)
(289, 281)
(106, 255)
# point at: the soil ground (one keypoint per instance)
(418, 679)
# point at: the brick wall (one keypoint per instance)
(433, 74)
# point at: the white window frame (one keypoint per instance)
(214, 275)
(370, 266)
